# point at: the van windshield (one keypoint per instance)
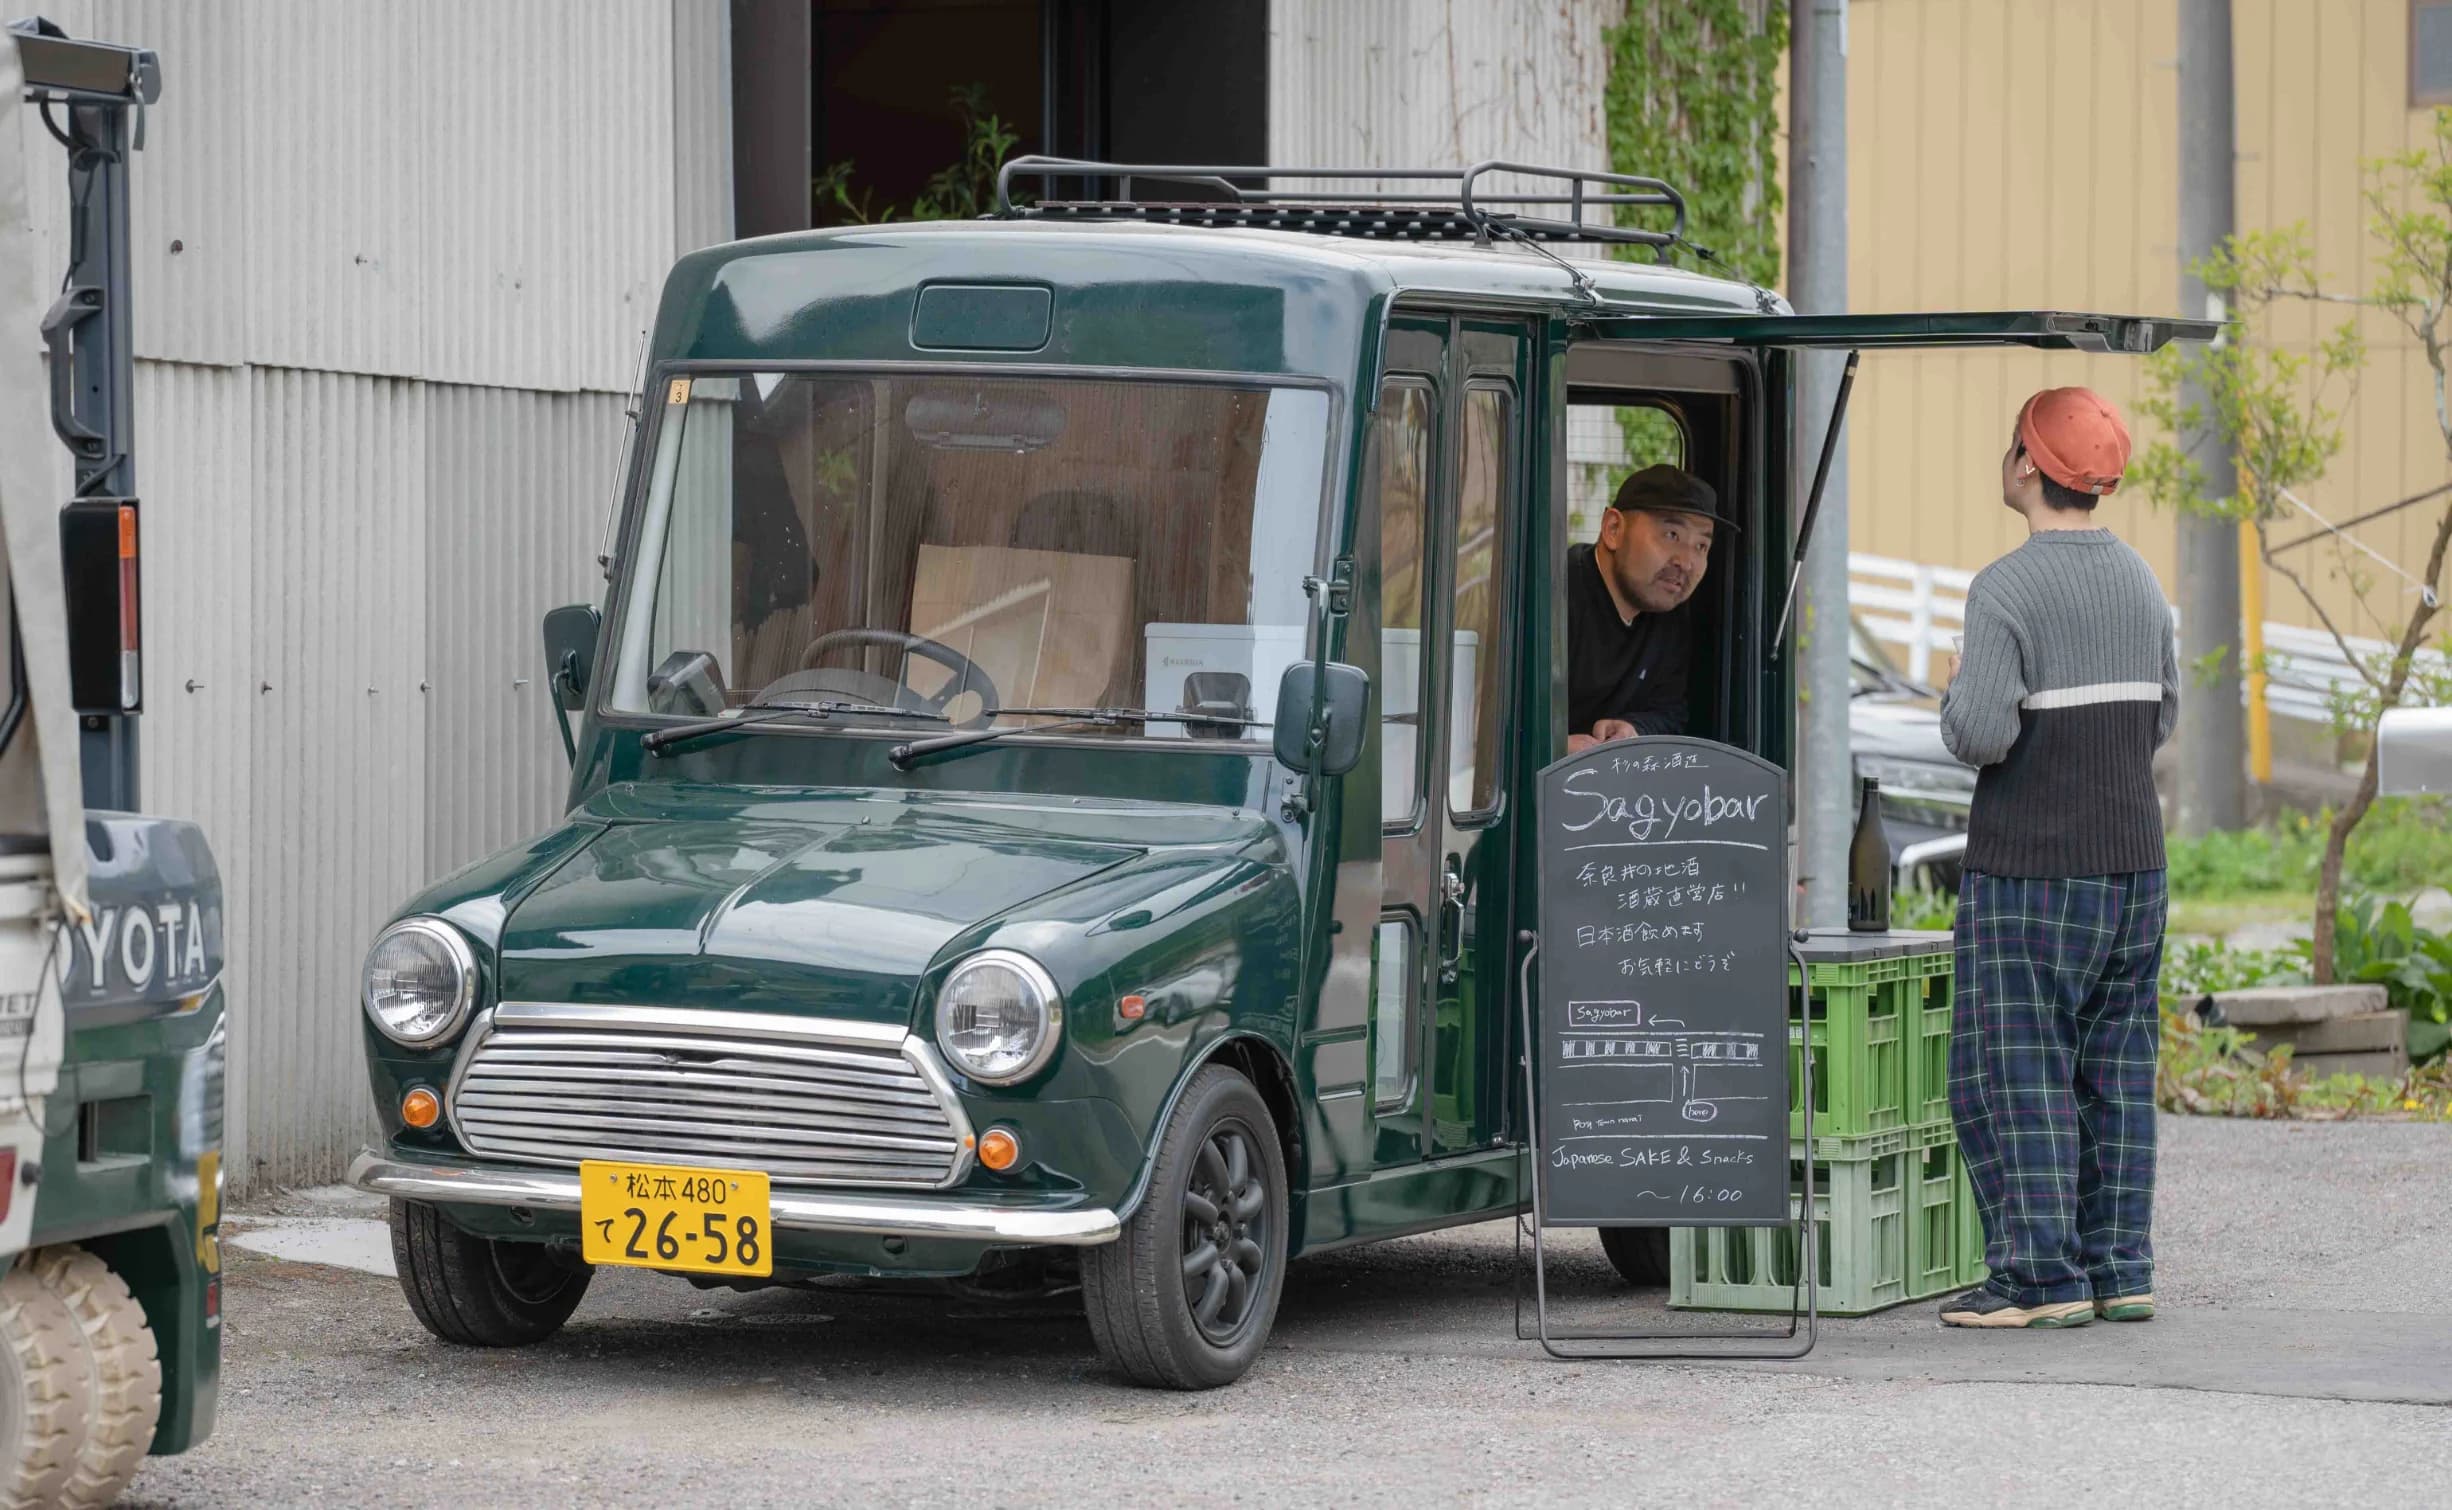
(951, 544)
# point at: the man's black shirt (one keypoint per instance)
(1636, 671)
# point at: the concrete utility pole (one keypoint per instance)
(2212, 729)
(1818, 284)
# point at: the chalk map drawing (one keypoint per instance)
(1624, 1061)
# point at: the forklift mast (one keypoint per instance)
(92, 97)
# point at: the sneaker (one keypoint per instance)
(2125, 1308)
(1982, 1308)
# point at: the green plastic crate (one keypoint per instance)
(1864, 1019)
(1930, 1010)
(1971, 1267)
(1860, 1243)
(1859, 1059)
(1937, 1193)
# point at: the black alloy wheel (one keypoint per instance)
(1184, 1298)
(1226, 1234)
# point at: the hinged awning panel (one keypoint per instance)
(2042, 329)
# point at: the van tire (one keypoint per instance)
(1219, 1153)
(477, 1291)
(46, 1392)
(127, 1372)
(1639, 1254)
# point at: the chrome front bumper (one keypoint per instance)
(793, 1210)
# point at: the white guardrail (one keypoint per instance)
(1921, 610)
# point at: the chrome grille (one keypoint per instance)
(808, 1102)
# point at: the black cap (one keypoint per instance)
(1664, 489)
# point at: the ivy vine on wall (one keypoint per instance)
(1693, 98)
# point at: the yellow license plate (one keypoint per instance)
(671, 1216)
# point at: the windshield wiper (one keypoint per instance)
(903, 755)
(766, 713)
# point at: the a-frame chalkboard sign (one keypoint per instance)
(1656, 1038)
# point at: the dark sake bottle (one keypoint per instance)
(1869, 866)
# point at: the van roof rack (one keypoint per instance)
(1464, 209)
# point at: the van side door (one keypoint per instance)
(1447, 461)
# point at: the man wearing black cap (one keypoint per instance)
(1628, 638)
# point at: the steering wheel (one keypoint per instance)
(869, 687)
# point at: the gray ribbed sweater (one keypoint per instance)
(2066, 686)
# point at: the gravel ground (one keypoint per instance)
(2305, 1358)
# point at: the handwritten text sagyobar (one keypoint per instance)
(1649, 817)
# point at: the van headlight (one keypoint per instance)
(420, 980)
(998, 1017)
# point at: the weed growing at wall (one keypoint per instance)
(962, 190)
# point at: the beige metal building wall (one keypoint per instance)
(392, 260)
(2023, 153)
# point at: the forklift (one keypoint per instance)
(113, 1034)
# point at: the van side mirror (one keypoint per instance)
(570, 653)
(1344, 695)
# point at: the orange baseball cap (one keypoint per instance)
(2076, 437)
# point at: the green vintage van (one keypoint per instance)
(1049, 764)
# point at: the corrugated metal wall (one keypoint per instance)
(509, 536)
(339, 737)
(702, 122)
(195, 443)
(1403, 84)
(1394, 83)
(392, 260)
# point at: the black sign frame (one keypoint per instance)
(1663, 1013)
(1567, 906)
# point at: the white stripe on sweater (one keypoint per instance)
(2099, 692)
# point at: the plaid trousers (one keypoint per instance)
(2052, 1078)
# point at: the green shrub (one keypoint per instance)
(2243, 862)
(2405, 846)
(1923, 907)
(2192, 969)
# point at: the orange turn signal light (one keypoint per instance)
(998, 1149)
(421, 1108)
(1132, 1008)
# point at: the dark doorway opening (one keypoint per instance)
(903, 84)
(879, 98)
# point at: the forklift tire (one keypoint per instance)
(46, 1392)
(1185, 1297)
(1639, 1254)
(478, 1292)
(127, 1372)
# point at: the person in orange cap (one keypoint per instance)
(2067, 683)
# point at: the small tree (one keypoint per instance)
(2283, 410)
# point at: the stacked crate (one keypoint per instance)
(1894, 1219)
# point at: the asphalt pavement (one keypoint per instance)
(2304, 1356)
